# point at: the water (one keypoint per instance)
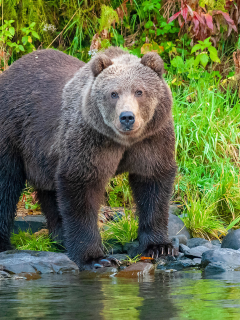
(180, 295)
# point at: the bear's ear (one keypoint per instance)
(100, 63)
(153, 61)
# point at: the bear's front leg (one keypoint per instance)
(79, 201)
(152, 199)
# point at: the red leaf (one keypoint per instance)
(209, 21)
(174, 17)
(184, 13)
(196, 25)
(200, 19)
(227, 18)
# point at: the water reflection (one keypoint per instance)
(181, 295)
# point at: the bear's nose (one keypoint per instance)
(127, 118)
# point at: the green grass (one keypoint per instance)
(123, 230)
(207, 153)
(29, 241)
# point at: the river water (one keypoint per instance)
(179, 295)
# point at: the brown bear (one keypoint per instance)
(67, 127)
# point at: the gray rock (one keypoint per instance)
(180, 256)
(195, 242)
(175, 243)
(131, 248)
(197, 261)
(173, 209)
(116, 249)
(183, 248)
(195, 252)
(232, 240)
(176, 265)
(181, 237)
(176, 227)
(34, 223)
(229, 259)
(216, 243)
(4, 275)
(26, 261)
(216, 267)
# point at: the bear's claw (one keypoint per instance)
(156, 251)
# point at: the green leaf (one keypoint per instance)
(12, 31)
(159, 32)
(213, 54)
(149, 24)
(32, 25)
(197, 61)
(204, 59)
(21, 47)
(35, 34)
(25, 40)
(196, 47)
(151, 31)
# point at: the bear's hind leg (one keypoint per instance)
(12, 181)
(48, 202)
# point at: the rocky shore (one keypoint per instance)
(211, 257)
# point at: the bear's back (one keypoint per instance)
(30, 107)
(31, 91)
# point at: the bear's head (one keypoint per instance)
(128, 99)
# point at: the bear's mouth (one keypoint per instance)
(128, 131)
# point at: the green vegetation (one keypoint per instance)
(123, 230)
(29, 241)
(199, 70)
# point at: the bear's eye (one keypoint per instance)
(138, 93)
(114, 95)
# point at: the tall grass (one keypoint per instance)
(207, 153)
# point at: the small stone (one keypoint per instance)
(173, 209)
(183, 248)
(5, 275)
(180, 256)
(170, 270)
(182, 238)
(136, 270)
(232, 240)
(16, 277)
(197, 261)
(195, 242)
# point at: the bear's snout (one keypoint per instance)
(127, 120)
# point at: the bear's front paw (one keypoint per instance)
(157, 250)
